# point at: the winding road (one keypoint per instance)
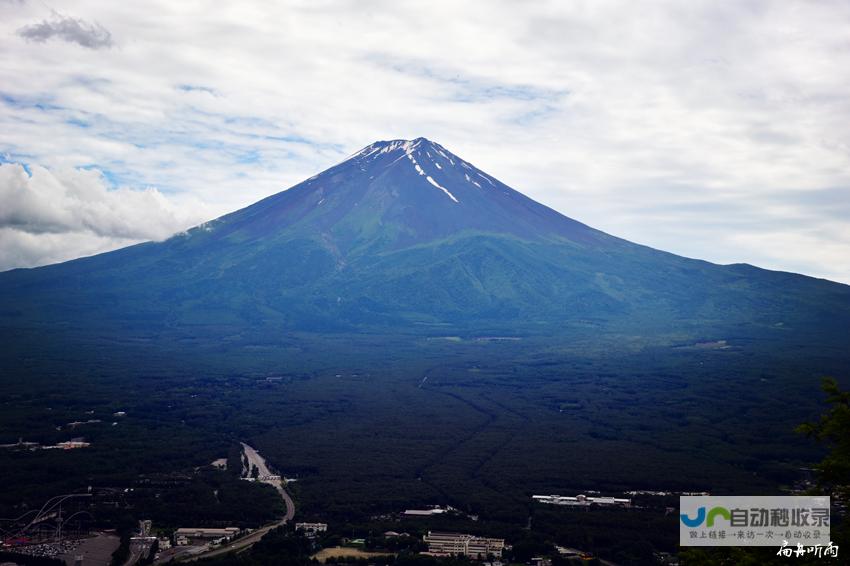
(255, 459)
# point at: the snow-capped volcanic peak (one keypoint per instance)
(414, 191)
(375, 150)
(431, 161)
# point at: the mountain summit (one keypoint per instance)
(393, 194)
(404, 235)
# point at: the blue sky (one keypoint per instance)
(712, 130)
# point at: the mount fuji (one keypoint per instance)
(405, 236)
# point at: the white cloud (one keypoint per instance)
(24, 249)
(51, 216)
(692, 127)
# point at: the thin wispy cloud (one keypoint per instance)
(73, 30)
(700, 127)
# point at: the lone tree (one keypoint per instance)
(833, 429)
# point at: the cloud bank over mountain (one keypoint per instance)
(52, 216)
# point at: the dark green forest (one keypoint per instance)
(371, 425)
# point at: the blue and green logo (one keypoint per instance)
(703, 517)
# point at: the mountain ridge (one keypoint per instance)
(406, 235)
(407, 189)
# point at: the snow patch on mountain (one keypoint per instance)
(408, 151)
(445, 190)
(486, 178)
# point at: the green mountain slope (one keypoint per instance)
(405, 236)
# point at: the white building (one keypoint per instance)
(310, 529)
(72, 444)
(422, 512)
(435, 510)
(190, 533)
(582, 500)
(447, 544)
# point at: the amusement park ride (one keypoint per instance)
(50, 523)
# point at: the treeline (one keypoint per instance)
(210, 498)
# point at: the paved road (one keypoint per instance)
(255, 459)
(138, 550)
(246, 541)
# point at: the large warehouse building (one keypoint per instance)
(447, 544)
